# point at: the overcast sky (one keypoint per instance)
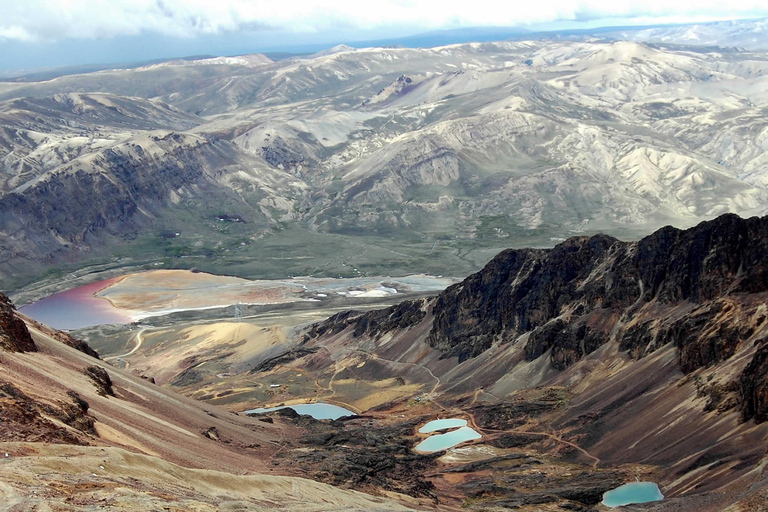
(46, 33)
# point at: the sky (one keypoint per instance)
(38, 34)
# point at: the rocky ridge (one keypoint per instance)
(701, 289)
(652, 350)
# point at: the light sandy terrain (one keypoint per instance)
(164, 291)
(170, 351)
(168, 290)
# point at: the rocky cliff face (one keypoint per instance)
(702, 289)
(575, 297)
(373, 323)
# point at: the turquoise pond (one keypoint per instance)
(442, 424)
(319, 411)
(448, 440)
(635, 492)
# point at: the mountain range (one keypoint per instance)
(448, 153)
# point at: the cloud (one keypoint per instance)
(53, 20)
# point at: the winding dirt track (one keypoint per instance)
(139, 341)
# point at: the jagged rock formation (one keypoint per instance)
(695, 288)
(27, 419)
(101, 380)
(372, 323)
(571, 297)
(14, 335)
(64, 337)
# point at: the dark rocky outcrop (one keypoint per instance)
(708, 334)
(568, 342)
(14, 335)
(753, 385)
(372, 323)
(212, 433)
(400, 316)
(63, 337)
(285, 357)
(518, 291)
(101, 380)
(75, 414)
(77, 344)
(187, 377)
(26, 419)
(333, 325)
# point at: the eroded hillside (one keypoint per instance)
(452, 153)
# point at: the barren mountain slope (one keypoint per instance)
(75, 436)
(658, 345)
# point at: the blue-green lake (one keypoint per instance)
(635, 492)
(448, 440)
(319, 411)
(442, 424)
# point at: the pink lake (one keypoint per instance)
(77, 308)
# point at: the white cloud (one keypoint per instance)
(52, 20)
(14, 32)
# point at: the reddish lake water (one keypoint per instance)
(80, 307)
(77, 308)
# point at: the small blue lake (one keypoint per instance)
(635, 492)
(448, 440)
(319, 411)
(442, 424)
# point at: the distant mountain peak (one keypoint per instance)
(252, 60)
(339, 48)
